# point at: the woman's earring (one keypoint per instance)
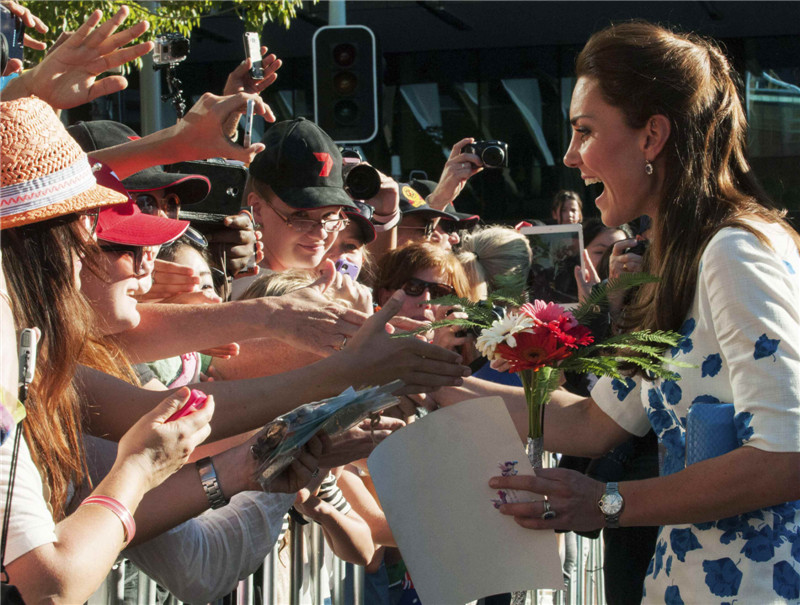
(648, 168)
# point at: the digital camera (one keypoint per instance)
(227, 180)
(361, 181)
(170, 48)
(493, 154)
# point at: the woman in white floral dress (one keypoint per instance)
(657, 119)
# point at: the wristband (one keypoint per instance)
(390, 222)
(208, 477)
(119, 509)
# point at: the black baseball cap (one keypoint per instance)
(99, 134)
(361, 215)
(425, 187)
(411, 202)
(302, 165)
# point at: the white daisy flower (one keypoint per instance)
(502, 330)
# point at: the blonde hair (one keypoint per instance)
(494, 251)
(278, 283)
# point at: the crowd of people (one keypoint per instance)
(138, 313)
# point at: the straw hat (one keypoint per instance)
(43, 172)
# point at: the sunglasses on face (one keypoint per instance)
(449, 226)
(416, 287)
(137, 253)
(427, 229)
(169, 204)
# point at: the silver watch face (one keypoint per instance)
(611, 503)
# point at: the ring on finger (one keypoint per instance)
(315, 473)
(548, 512)
(625, 267)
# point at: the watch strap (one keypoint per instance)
(208, 478)
(612, 521)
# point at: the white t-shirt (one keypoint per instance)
(31, 523)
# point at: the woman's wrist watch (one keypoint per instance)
(611, 504)
(208, 478)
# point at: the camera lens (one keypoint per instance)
(362, 182)
(493, 156)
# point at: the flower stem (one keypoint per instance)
(537, 385)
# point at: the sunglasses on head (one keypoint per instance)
(170, 204)
(416, 287)
(364, 209)
(136, 252)
(91, 218)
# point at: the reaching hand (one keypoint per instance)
(357, 295)
(169, 281)
(159, 448)
(310, 321)
(239, 80)
(67, 77)
(387, 200)
(450, 337)
(586, 278)
(358, 442)
(458, 169)
(301, 471)
(377, 358)
(30, 20)
(222, 352)
(238, 240)
(201, 132)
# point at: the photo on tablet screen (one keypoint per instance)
(557, 250)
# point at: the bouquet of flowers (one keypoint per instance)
(541, 339)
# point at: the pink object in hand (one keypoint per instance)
(197, 400)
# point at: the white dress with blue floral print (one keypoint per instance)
(743, 337)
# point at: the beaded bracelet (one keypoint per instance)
(119, 509)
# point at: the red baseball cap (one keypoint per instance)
(125, 223)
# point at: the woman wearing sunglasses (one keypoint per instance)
(425, 272)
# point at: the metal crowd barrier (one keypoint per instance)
(126, 585)
(280, 579)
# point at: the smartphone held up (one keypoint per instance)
(252, 50)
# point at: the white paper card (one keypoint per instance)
(432, 480)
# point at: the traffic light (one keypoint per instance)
(346, 83)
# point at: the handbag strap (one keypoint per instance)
(7, 511)
(26, 371)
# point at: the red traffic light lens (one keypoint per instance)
(345, 112)
(345, 82)
(344, 54)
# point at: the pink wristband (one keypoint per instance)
(119, 509)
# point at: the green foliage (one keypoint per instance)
(598, 298)
(164, 17)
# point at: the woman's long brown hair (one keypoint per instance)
(39, 270)
(646, 70)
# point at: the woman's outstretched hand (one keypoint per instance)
(377, 358)
(159, 448)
